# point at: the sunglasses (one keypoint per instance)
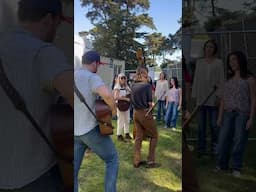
(123, 77)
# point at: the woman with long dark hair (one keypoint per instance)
(173, 103)
(236, 113)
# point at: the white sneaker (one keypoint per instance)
(236, 173)
(217, 169)
(173, 128)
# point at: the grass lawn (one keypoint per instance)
(167, 178)
(211, 181)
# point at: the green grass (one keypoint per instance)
(167, 178)
(211, 181)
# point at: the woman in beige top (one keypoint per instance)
(162, 87)
(209, 73)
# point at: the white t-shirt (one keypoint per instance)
(161, 89)
(87, 83)
(31, 65)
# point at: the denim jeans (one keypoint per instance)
(50, 181)
(211, 112)
(160, 109)
(233, 135)
(102, 146)
(171, 114)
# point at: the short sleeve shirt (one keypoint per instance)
(87, 83)
(31, 65)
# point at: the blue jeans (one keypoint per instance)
(232, 135)
(104, 147)
(160, 109)
(171, 114)
(211, 112)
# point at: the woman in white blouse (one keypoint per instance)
(121, 90)
(209, 73)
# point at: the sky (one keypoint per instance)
(165, 13)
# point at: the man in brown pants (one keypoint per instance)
(145, 126)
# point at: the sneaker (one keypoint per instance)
(217, 169)
(165, 127)
(173, 128)
(236, 173)
(127, 136)
(120, 138)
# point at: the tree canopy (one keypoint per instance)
(116, 25)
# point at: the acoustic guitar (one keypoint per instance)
(62, 132)
(104, 117)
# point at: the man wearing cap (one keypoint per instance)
(37, 69)
(86, 131)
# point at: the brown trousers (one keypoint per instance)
(145, 127)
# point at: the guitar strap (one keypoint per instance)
(20, 105)
(82, 99)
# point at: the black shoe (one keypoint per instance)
(127, 136)
(153, 165)
(120, 138)
(141, 163)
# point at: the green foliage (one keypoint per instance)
(116, 23)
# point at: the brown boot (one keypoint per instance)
(127, 136)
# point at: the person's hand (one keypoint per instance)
(248, 124)
(187, 115)
(114, 112)
(179, 108)
(219, 121)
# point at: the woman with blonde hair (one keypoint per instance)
(121, 92)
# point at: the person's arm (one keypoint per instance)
(166, 101)
(107, 96)
(252, 96)
(180, 99)
(157, 89)
(56, 73)
(150, 98)
(195, 80)
(220, 114)
(63, 83)
(116, 94)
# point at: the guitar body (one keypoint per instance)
(62, 127)
(104, 114)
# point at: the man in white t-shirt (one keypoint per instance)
(37, 69)
(87, 134)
